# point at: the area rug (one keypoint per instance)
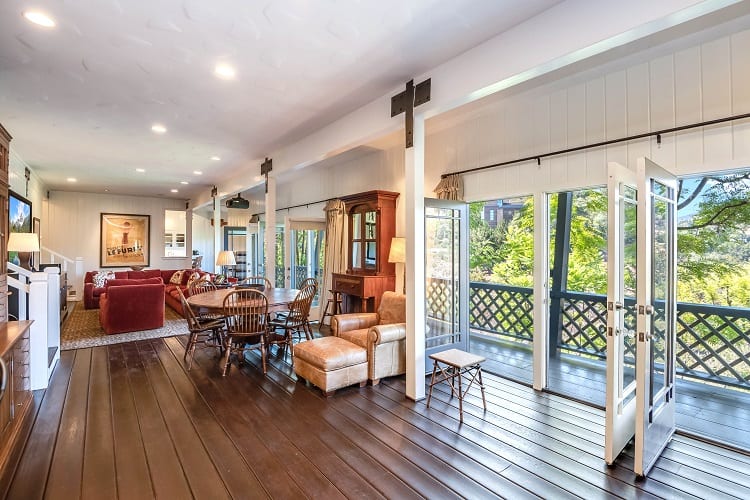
(82, 329)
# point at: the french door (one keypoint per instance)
(447, 277)
(641, 312)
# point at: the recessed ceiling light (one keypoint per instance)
(40, 18)
(184, 182)
(224, 71)
(72, 179)
(158, 128)
(215, 158)
(140, 170)
(197, 172)
(174, 190)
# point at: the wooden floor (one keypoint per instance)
(127, 421)
(716, 413)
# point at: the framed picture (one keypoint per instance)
(125, 240)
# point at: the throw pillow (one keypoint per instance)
(193, 278)
(100, 278)
(176, 278)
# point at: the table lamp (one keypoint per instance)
(24, 244)
(397, 255)
(225, 259)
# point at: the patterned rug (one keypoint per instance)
(82, 329)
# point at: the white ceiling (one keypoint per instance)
(80, 98)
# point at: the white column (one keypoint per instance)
(415, 277)
(39, 313)
(270, 237)
(218, 243)
(541, 296)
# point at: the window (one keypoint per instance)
(174, 233)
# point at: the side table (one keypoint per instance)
(453, 365)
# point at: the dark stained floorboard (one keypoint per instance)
(717, 413)
(128, 421)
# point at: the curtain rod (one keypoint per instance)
(300, 205)
(657, 133)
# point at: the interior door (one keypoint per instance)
(447, 275)
(621, 322)
(657, 311)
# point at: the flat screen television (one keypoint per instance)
(19, 213)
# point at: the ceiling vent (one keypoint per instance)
(238, 202)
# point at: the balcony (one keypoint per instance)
(713, 351)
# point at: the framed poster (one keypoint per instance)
(124, 240)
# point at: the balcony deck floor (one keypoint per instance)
(127, 421)
(717, 413)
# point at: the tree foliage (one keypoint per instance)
(713, 242)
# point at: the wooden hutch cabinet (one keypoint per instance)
(4, 167)
(372, 224)
(14, 344)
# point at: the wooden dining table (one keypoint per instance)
(213, 301)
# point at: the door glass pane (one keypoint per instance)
(308, 257)
(501, 270)
(370, 225)
(356, 226)
(629, 273)
(660, 284)
(370, 255)
(279, 257)
(442, 238)
(356, 253)
(578, 294)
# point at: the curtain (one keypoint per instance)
(335, 246)
(450, 187)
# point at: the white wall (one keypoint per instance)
(678, 83)
(74, 224)
(378, 170)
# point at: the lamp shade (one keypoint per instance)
(23, 242)
(398, 250)
(226, 258)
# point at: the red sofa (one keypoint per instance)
(130, 305)
(92, 294)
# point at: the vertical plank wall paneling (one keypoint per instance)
(74, 220)
(659, 88)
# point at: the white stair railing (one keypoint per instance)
(74, 268)
(39, 293)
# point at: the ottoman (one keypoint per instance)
(331, 363)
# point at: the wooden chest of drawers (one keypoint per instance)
(362, 292)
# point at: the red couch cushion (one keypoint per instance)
(145, 281)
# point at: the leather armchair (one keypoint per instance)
(382, 334)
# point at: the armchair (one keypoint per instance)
(382, 334)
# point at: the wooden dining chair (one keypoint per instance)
(294, 322)
(206, 332)
(246, 316)
(257, 280)
(203, 285)
(200, 286)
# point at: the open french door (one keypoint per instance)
(641, 312)
(657, 313)
(621, 296)
(447, 275)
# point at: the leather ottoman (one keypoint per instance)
(331, 363)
